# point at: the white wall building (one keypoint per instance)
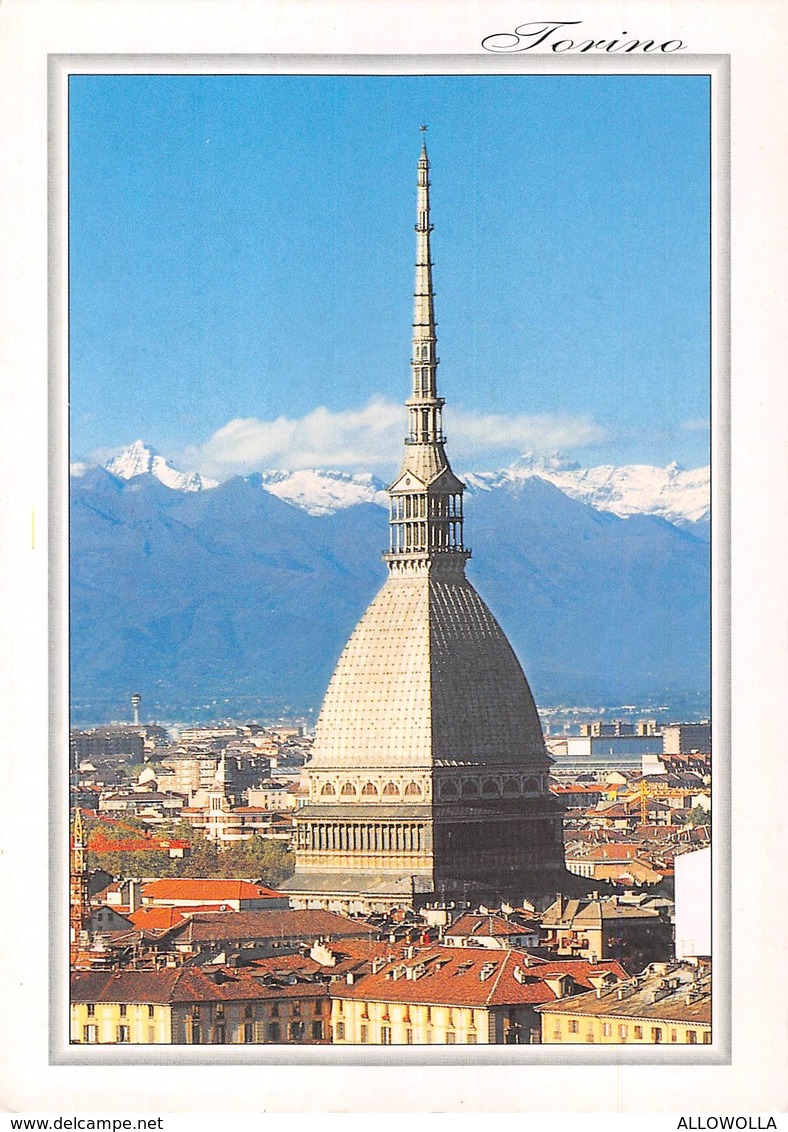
(693, 904)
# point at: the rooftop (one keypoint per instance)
(475, 977)
(275, 924)
(208, 891)
(665, 992)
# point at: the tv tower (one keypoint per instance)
(135, 707)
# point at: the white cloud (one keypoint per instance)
(372, 436)
(480, 433)
(699, 425)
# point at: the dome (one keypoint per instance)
(428, 678)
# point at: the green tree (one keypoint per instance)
(699, 816)
(258, 858)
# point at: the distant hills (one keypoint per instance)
(237, 598)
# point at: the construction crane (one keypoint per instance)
(646, 790)
(79, 893)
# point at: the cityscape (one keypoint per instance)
(181, 932)
(432, 861)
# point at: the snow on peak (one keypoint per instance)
(672, 493)
(139, 460)
(324, 492)
(136, 460)
(635, 489)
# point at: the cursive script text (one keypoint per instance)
(535, 33)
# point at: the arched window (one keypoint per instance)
(531, 786)
(448, 790)
(510, 786)
(490, 787)
(369, 791)
(348, 790)
(413, 789)
(470, 789)
(390, 789)
(328, 789)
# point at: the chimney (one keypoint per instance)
(135, 895)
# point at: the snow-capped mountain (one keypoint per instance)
(324, 492)
(680, 496)
(237, 598)
(139, 460)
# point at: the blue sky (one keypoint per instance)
(241, 252)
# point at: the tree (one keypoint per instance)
(699, 816)
(260, 858)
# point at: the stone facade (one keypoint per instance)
(429, 773)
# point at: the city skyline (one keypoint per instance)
(235, 323)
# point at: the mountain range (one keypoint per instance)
(236, 598)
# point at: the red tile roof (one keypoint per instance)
(207, 891)
(184, 985)
(490, 925)
(476, 977)
(617, 852)
(157, 919)
(307, 924)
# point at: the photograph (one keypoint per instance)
(389, 558)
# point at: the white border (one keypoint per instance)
(754, 34)
(61, 68)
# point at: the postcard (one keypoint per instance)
(379, 410)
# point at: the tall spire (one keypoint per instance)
(424, 362)
(426, 499)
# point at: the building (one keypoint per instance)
(493, 931)
(625, 749)
(616, 727)
(594, 861)
(102, 742)
(191, 1006)
(429, 773)
(686, 738)
(191, 772)
(228, 824)
(236, 895)
(669, 1003)
(268, 932)
(693, 904)
(607, 928)
(455, 996)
